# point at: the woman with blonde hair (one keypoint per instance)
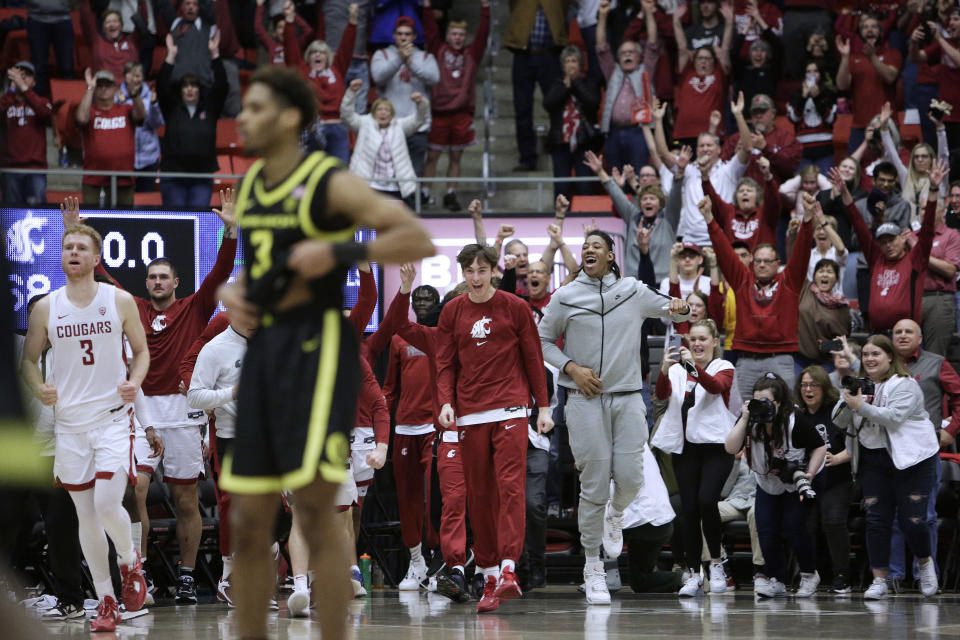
(380, 152)
(696, 383)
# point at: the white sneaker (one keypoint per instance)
(416, 574)
(718, 578)
(299, 603)
(808, 584)
(612, 533)
(928, 578)
(595, 583)
(692, 586)
(877, 590)
(771, 589)
(760, 582)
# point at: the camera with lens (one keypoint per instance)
(853, 384)
(794, 473)
(761, 410)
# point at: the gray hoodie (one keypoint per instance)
(600, 322)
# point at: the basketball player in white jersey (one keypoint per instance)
(85, 322)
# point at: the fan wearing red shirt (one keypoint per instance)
(172, 325)
(108, 137)
(25, 116)
(896, 273)
(870, 75)
(273, 43)
(753, 216)
(945, 52)
(489, 365)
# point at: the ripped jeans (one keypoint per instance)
(889, 492)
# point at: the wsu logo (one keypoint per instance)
(159, 324)
(20, 246)
(481, 328)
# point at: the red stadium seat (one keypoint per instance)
(601, 205)
(68, 94)
(241, 164)
(223, 167)
(841, 135)
(148, 199)
(55, 197)
(227, 140)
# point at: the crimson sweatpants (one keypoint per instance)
(412, 464)
(453, 495)
(495, 467)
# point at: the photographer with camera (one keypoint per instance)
(785, 455)
(696, 382)
(895, 448)
(816, 398)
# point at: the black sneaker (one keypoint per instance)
(187, 591)
(450, 202)
(840, 585)
(537, 578)
(452, 584)
(63, 611)
(476, 585)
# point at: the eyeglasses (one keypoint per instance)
(648, 175)
(809, 385)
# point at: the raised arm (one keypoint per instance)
(844, 78)
(796, 270)
(341, 60)
(261, 32)
(746, 136)
(395, 317)
(868, 245)
(659, 111)
(291, 47)
(555, 231)
(82, 116)
(431, 31)
(226, 255)
(729, 261)
(683, 51)
(476, 213)
(367, 297)
(348, 106)
(479, 45)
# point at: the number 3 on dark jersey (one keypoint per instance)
(262, 241)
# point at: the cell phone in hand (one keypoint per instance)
(676, 341)
(827, 346)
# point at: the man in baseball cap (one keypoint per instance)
(25, 115)
(779, 146)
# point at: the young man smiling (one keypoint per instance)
(489, 366)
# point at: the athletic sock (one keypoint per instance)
(227, 566)
(458, 567)
(136, 531)
(354, 567)
(300, 582)
(104, 589)
(416, 556)
(186, 571)
(491, 571)
(507, 565)
(593, 558)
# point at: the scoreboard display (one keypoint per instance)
(131, 240)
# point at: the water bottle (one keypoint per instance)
(376, 577)
(64, 159)
(365, 563)
(103, 197)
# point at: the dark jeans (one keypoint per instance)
(626, 146)
(566, 162)
(889, 492)
(41, 35)
(24, 188)
(784, 517)
(829, 513)
(535, 540)
(417, 147)
(643, 548)
(337, 141)
(529, 70)
(63, 544)
(193, 193)
(898, 552)
(701, 471)
(146, 184)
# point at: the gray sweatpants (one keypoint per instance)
(749, 370)
(607, 433)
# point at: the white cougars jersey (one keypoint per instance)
(89, 364)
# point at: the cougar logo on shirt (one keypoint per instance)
(744, 230)
(20, 246)
(403, 451)
(159, 324)
(451, 453)
(702, 85)
(106, 124)
(887, 279)
(481, 328)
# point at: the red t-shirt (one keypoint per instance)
(868, 88)
(26, 124)
(488, 355)
(109, 144)
(171, 332)
(542, 302)
(948, 77)
(407, 386)
(697, 96)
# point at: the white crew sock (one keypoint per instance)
(459, 567)
(299, 582)
(354, 567)
(507, 564)
(490, 571)
(227, 566)
(593, 558)
(136, 531)
(416, 557)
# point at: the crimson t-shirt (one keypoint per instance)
(109, 144)
(697, 96)
(869, 90)
(26, 124)
(949, 77)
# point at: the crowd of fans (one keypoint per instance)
(712, 129)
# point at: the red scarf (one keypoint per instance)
(829, 299)
(571, 123)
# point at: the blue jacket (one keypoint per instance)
(385, 17)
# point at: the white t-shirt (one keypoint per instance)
(724, 177)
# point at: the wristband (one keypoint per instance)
(349, 252)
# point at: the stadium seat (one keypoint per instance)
(68, 93)
(841, 135)
(147, 199)
(241, 164)
(601, 205)
(224, 166)
(55, 197)
(227, 140)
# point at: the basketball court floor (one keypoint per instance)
(559, 613)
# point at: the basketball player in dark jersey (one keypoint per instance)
(298, 216)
